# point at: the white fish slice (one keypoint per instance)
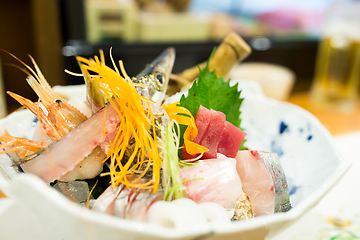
(63, 155)
(213, 180)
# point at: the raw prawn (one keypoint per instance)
(60, 117)
(56, 119)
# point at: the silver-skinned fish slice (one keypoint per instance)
(264, 181)
(273, 165)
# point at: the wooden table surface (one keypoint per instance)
(335, 121)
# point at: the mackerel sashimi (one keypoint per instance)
(263, 180)
(216, 134)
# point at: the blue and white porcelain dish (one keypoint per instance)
(306, 149)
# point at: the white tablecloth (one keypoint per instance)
(341, 206)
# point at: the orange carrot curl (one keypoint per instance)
(136, 118)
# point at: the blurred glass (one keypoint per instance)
(338, 61)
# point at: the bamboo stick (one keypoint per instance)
(233, 49)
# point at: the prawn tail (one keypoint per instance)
(49, 128)
(22, 146)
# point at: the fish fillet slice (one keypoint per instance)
(213, 180)
(63, 155)
(264, 181)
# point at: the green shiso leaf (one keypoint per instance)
(214, 93)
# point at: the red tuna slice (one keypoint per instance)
(211, 138)
(186, 155)
(230, 140)
(202, 121)
(264, 181)
(210, 124)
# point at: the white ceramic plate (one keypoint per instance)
(311, 162)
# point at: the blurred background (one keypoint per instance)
(287, 33)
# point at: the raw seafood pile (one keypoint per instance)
(175, 165)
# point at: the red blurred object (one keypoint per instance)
(281, 18)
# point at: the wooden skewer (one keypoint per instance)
(233, 49)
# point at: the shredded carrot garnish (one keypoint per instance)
(184, 117)
(92, 189)
(136, 117)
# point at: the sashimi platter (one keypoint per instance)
(161, 155)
